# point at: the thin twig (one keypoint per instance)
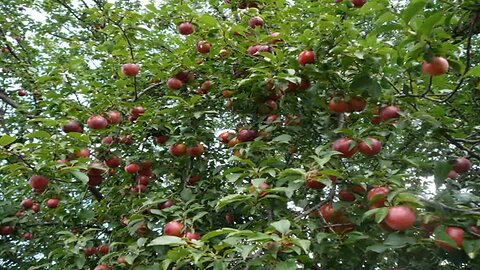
(468, 54)
(473, 233)
(452, 140)
(7, 99)
(393, 86)
(429, 87)
(130, 48)
(96, 193)
(318, 205)
(19, 156)
(451, 208)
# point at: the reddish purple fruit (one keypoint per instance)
(246, 135)
(438, 66)
(371, 148)
(203, 47)
(72, 126)
(389, 112)
(165, 204)
(22, 92)
(452, 174)
(113, 162)
(306, 57)
(462, 165)
(38, 182)
(173, 228)
(185, 28)
(130, 70)
(255, 21)
(132, 168)
(346, 196)
(456, 234)
(52, 203)
(346, 146)
(27, 203)
(377, 196)
(97, 122)
(400, 218)
(174, 84)
(359, 3)
(192, 235)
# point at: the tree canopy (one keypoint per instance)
(239, 134)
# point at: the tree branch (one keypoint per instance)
(130, 48)
(318, 205)
(7, 99)
(429, 87)
(473, 22)
(451, 208)
(459, 145)
(20, 157)
(96, 193)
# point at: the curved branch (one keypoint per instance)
(130, 48)
(96, 193)
(468, 53)
(451, 208)
(457, 143)
(318, 205)
(7, 99)
(20, 157)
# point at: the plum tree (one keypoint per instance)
(244, 123)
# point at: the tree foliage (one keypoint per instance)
(337, 149)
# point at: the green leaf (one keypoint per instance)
(218, 232)
(199, 216)
(378, 248)
(440, 172)
(186, 194)
(147, 267)
(141, 242)
(40, 134)
(354, 237)
(166, 240)
(474, 72)
(196, 256)
(45, 121)
(245, 250)
(232, 177)
(322, 161)
(79, 136)
(398, 240)
(229, 199)
(284, 138)
(304, 244)
(287, 265)
(381, 214)
(365, 83)
(471, 247)
(219, 265)
(431, 21)
(408, 198)
(292, 187)
(80, 261)
(413, 8)
(442, 236)
(282, 226)
(207, 20)
(130, 258)
(80, 176)
(370, 213)
(6, 140)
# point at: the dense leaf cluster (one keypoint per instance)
(254, 135)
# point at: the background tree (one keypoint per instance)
(239, 134)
